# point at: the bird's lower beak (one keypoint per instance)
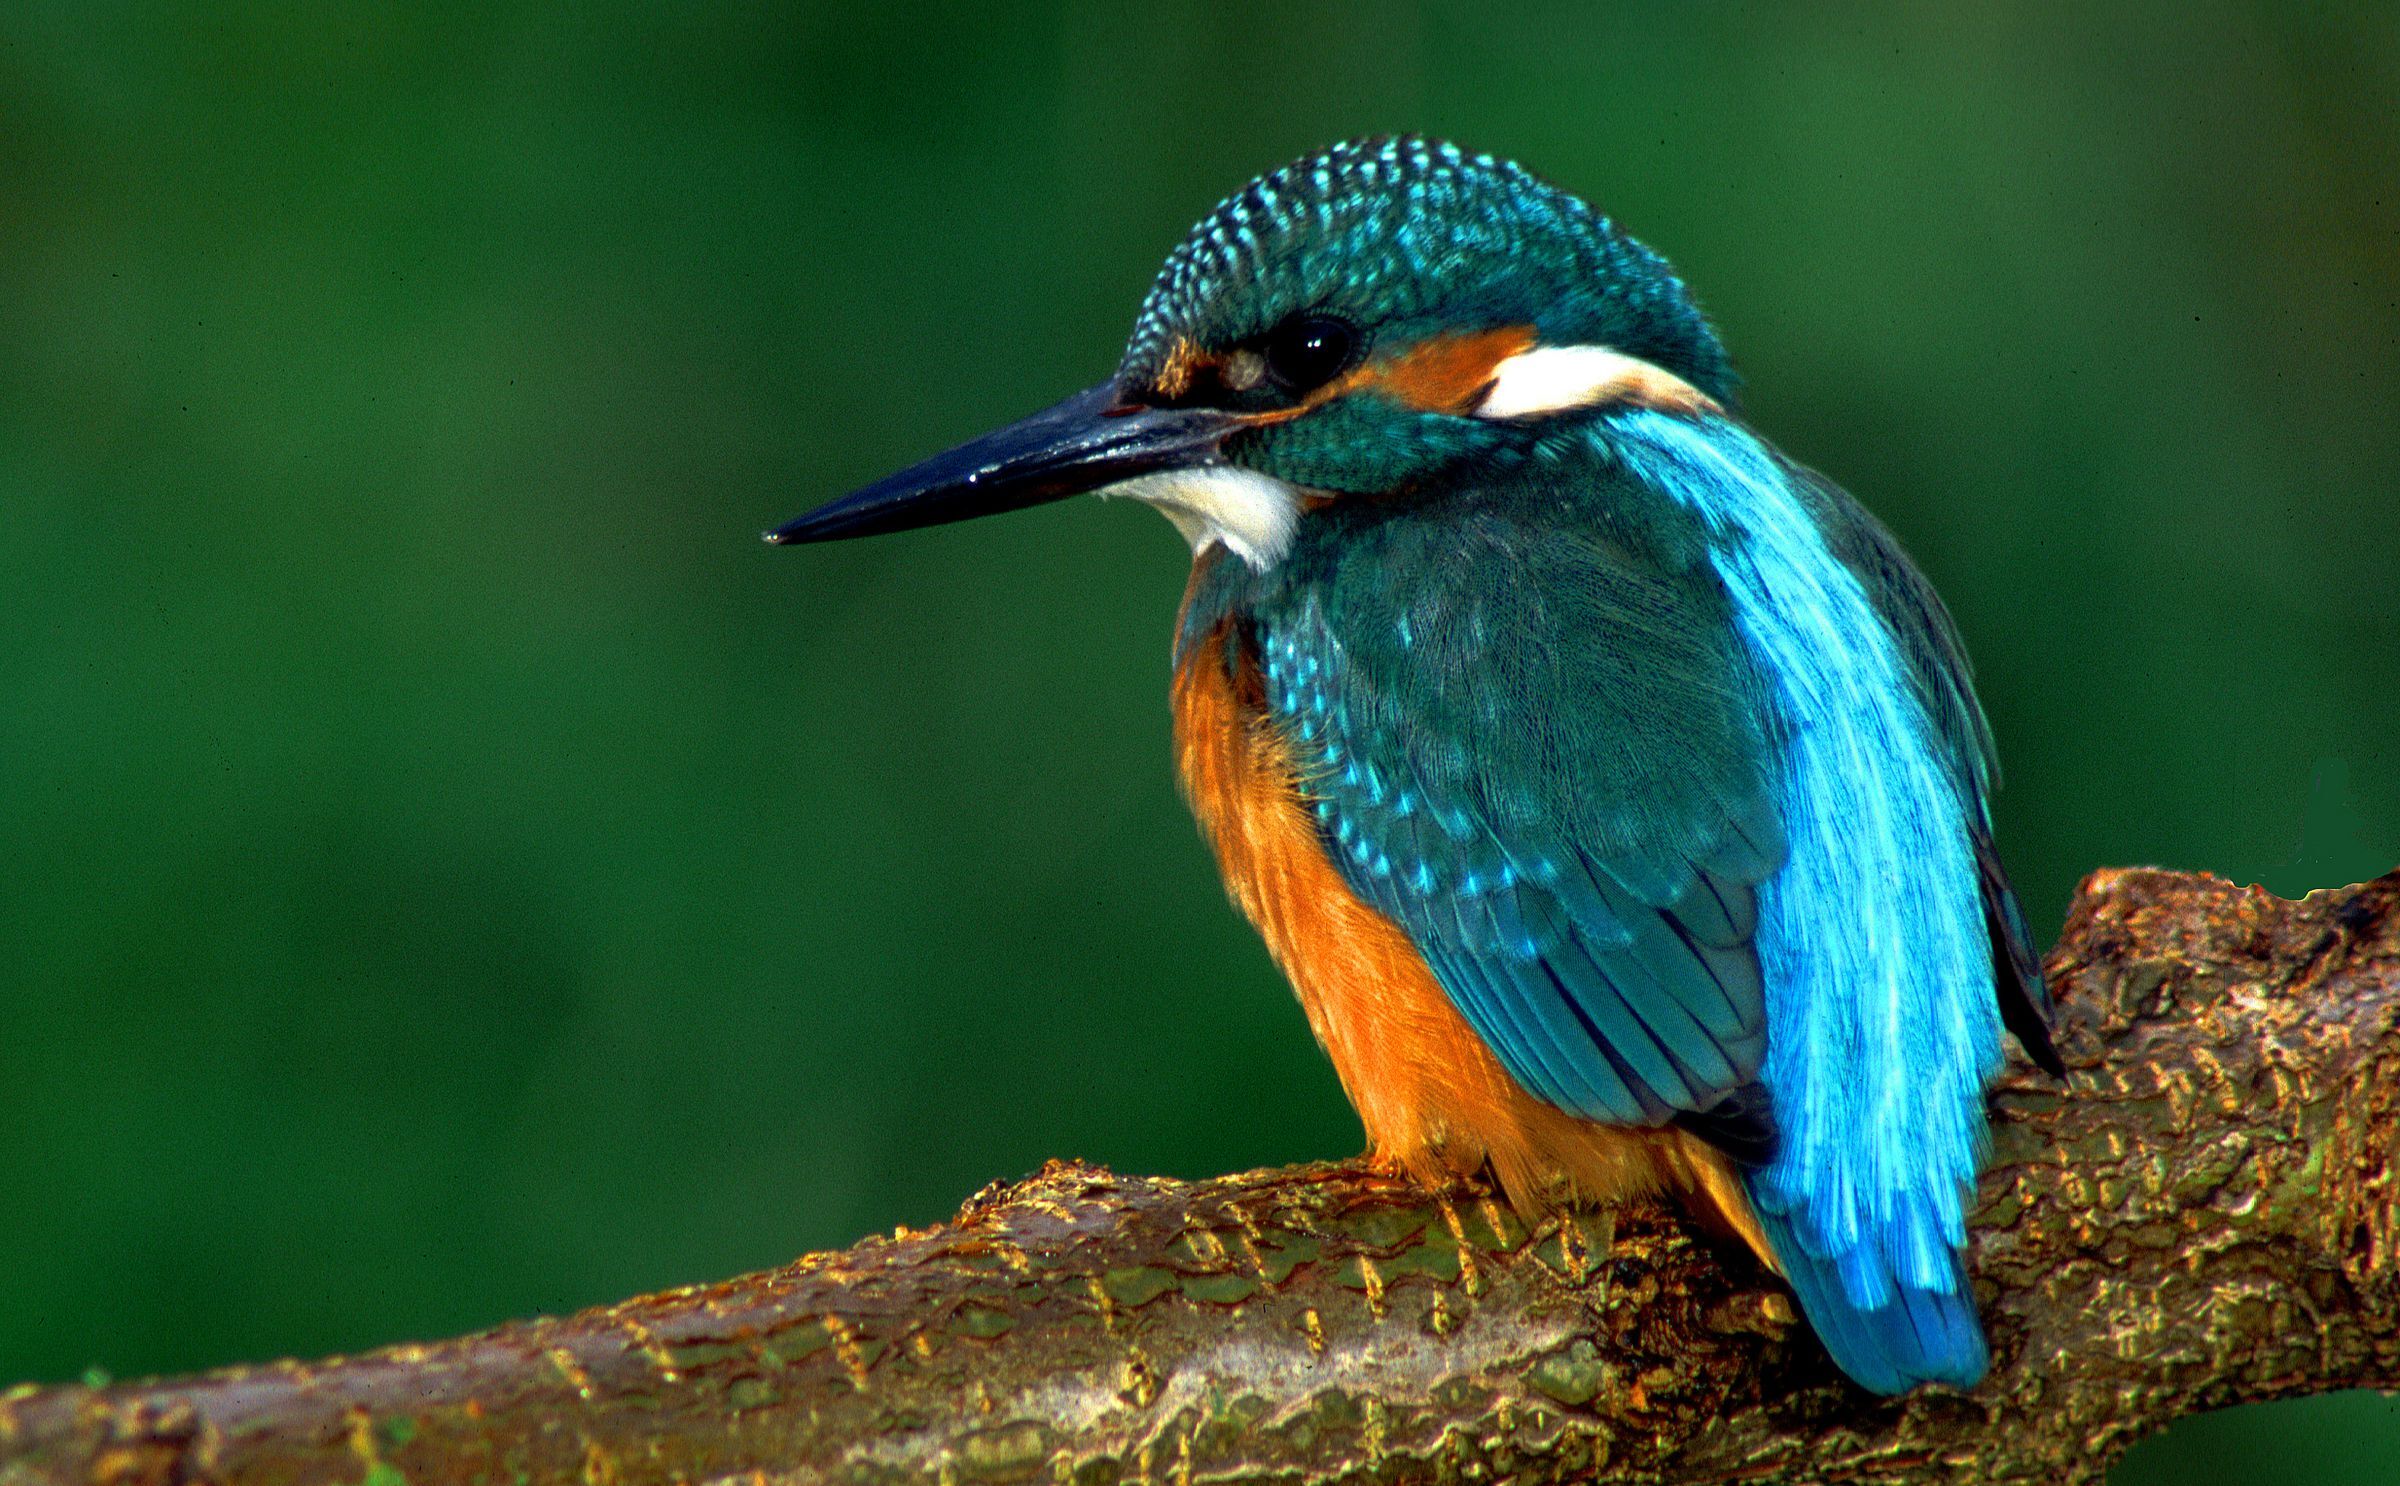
(1093, 439)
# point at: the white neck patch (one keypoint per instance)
(1558, 379)
(1253, 515)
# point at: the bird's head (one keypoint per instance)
(1353, 325)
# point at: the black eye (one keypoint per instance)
(1307, 351)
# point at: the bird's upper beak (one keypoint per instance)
(1093, 439)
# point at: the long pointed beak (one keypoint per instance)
(1093, 439)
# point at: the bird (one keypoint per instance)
(1610, 787)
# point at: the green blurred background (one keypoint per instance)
(449, 869)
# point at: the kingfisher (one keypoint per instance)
(1610, 788)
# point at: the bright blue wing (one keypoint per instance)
(1878, 936)
(1538, 748)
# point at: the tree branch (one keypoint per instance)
(2206, 1216)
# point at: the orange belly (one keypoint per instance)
(1435, 1101)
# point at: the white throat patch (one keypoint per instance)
(1557, 379)
(1252, 514)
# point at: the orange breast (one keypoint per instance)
(1434, 1100)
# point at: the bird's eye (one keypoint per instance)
(1307, 351)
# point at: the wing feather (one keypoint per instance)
(1543, 758)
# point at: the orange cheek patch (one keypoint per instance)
(1448, 373)
(1184, 361)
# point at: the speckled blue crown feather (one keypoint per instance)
(1417, 235)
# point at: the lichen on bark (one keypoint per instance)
(2204, 1214)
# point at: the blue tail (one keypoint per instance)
(1916, 1335)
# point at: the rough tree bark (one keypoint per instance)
(2205, 1215)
